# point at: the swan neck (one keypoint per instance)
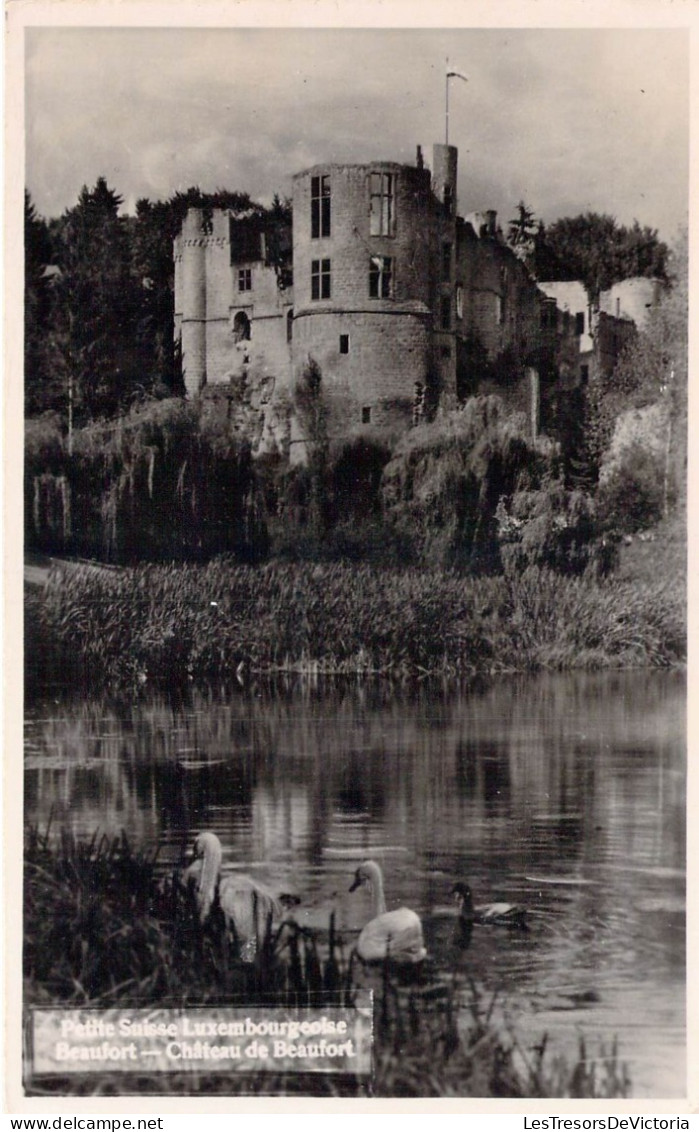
(378, 892)
(211, 868)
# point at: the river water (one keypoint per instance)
(564, 793)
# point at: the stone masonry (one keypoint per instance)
(397, 300)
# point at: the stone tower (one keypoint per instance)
(363, 279)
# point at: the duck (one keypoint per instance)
(397, 935)
(247, 905)
(499, 914)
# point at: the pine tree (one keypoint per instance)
(39, 390)
(522, 231)
(96, 306)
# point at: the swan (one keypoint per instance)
(389, 935)
(507, 915)
(247, 905)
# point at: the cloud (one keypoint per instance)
(576, 119)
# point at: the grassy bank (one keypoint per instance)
(103, 926)
(178, 623)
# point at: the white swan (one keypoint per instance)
(389, 935)
(246, 904)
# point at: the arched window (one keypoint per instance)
(241, 327)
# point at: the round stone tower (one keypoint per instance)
(190, 298)
(363, 278)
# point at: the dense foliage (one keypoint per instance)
(654, 370)
(594, 248)
(165, 482)
(99, 291)
(631, 497)
(445, 481)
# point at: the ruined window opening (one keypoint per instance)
(459, 302)
(241, 327)
(320, 278)
(448, 200)
(548, 314)
(446, 352)
(289, 325)
(500, 309)
(366, 414)
(446, 262)
(245, 239)
(320, 206)
(580, 322)
(380, 277)
(344, 344)
(446, 312)
(245, 279)
(382, 214)
(584, 374)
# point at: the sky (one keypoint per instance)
(566, 120)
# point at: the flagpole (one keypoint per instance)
(449, 75)
(446, 83)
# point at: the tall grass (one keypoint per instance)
(103, 926)
(173, 623)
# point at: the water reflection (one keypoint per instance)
(565, 794)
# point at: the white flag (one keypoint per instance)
(456, 75)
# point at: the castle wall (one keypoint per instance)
(503, 304)
(631, 299)
(190, 299)
(571, 296)
(208, 297)
(374, 384)
(611, 336)
(457, 313)
(371, 349)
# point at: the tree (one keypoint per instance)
(522, 230)
(278, 240)
(654, 369)
(153, 268)
(313, 417)
(94, 316)
(37, 305)
(592, 247)
(579, 425)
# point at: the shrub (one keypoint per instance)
(630, 498)
(333, 512)
(444, 481)
(550, 528)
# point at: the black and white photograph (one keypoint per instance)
(354, 435)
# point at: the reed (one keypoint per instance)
(158, 623)
(105, 926)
